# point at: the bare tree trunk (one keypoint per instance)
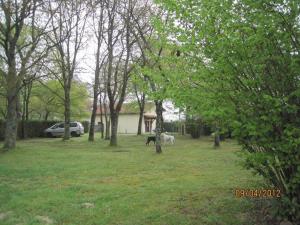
(99, 36)
(158, 110)
(67, 105)
(139, 132)
(46, 115)
(114, 117)
(94, 110)
(141, 103)
(107, 122)
(27, 103)
(23, 128)
(11, 121)
(107, 129)
(11, 117)
(25, 111)
(101, 116)
(217, 138)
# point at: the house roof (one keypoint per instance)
(129, 108)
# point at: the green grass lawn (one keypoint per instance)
(48, 181)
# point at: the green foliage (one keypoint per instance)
(241, 63)
(47, 101)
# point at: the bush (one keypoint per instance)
(170, 127)
(206, 130)
(194, 128)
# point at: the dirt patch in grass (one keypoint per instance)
(5, 215)
(44, 219)
(88, 205)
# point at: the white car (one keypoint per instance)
(58, 129)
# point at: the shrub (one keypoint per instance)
(170, 127)
(194, 128)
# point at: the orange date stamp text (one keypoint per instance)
(257, 193)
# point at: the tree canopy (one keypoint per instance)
(241, 58)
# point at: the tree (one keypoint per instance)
(70, 20)
(249, 53)
(153, 78)
(98, 25)
(20, 54)
(119, 46)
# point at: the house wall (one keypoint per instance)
(128, 123)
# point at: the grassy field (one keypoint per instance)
(48, 181)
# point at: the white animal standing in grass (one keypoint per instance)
(167, 138)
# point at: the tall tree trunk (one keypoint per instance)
(217, 138)
(46, 115)
(67, 104)
(159, 119)
(11, 121)
(93, 116)
(107, 129)
(114, 117)
(97, 78)
(141, 103)
(101, 116)
(23, 128)
(25, 110)
(107, 123)
(12, 102)
(27, 100)
(139, 132)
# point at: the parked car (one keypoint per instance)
(58, 129)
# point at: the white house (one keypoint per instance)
(129, 117)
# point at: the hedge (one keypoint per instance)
(34, 128)
(170, 127)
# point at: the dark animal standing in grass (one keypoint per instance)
(150, 138)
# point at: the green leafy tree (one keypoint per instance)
(246, 53)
